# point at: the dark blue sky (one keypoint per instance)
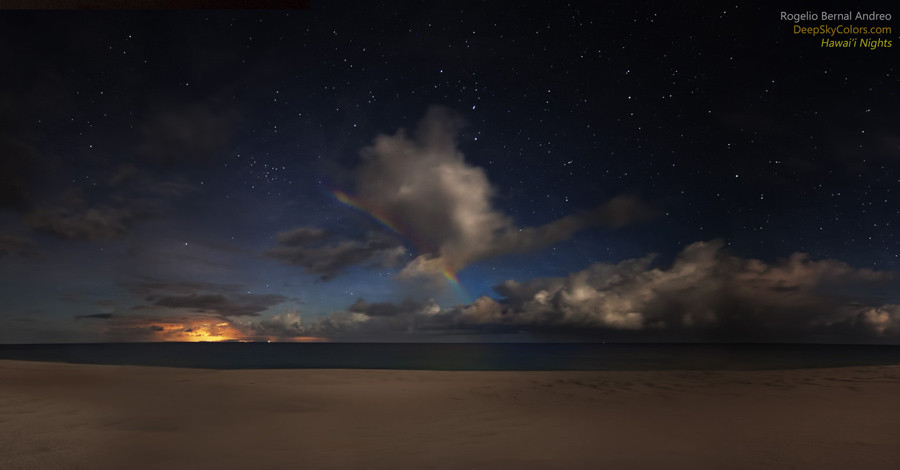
(173, 175)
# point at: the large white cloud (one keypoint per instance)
(423, 183)
(705, 289)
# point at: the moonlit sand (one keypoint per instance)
(91, 416)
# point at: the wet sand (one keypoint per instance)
(71, 416)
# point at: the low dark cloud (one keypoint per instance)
(226, 306)
(90, 224)
(390, 309)
(324, 255)
(300, 236)
(96, 316)
(343, 325)
(11, 245)
(362, 321)
(146, 286)
(280, 327)
(192, 301)
(107, 214)
(135, 181)
(130, 194)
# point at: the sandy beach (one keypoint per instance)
(90, 416)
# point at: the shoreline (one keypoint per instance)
(103, 416)
(462, 356)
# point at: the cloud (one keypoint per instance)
(17, 246)
(300, 236)
(91, 224)
(75, 216)
(287, 326)
(145, 286)
(325, 255)
(133, 195)
(425, 186)
(186, 134)
(128, 178)
(390, 309)
(222, 305)
(284, 325)
(884, 320)
(153, 327)
(97, 316)
(361, 321)
(706, 294)
(184, 311)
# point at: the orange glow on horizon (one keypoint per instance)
(196, 330)
(192, 328)
(205, 329)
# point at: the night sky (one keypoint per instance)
(459, 172)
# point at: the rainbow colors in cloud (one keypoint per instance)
(385, 219)
(377, 213)
(454, 281)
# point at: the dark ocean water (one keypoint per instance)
(507, 356)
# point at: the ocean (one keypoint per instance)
(460, 356)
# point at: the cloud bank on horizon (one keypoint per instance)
(706, 294)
